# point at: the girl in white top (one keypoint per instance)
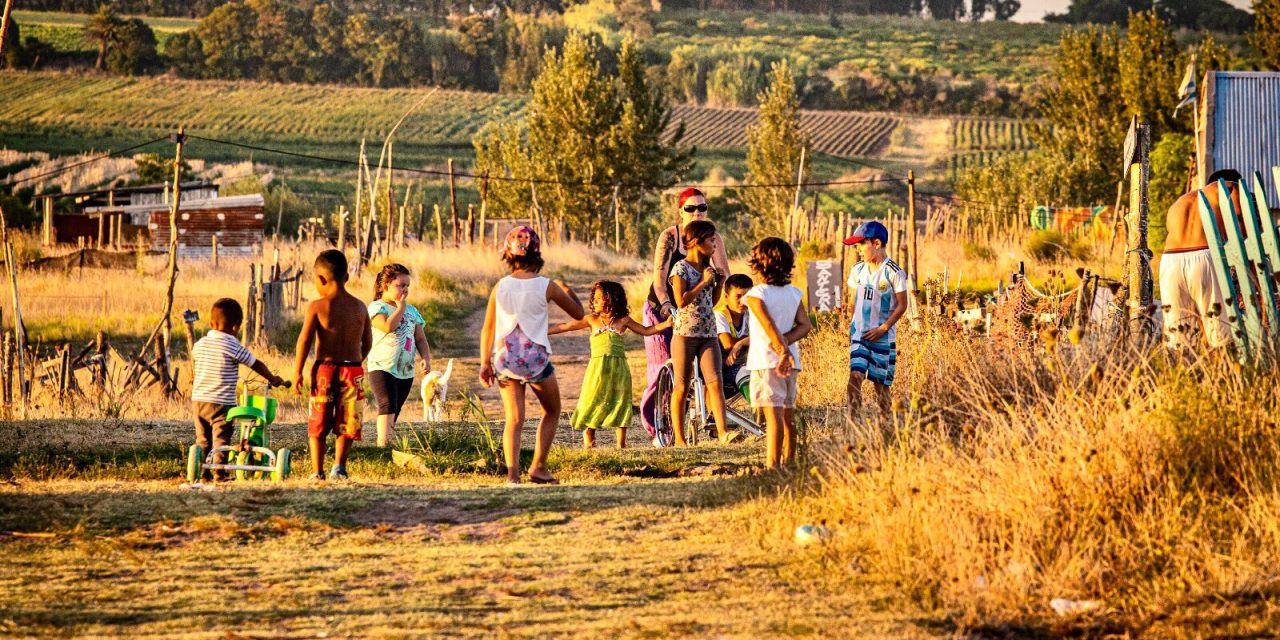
(515, 351)
(778, 320)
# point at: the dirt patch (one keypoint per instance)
(402, 513)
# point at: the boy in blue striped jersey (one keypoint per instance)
(216, 359)
(878, 287)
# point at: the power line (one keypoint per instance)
(550, 181)
(88, 161)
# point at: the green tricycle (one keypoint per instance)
(253, 455)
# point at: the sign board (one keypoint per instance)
(825, 280)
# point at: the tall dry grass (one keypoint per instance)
(71, 307)
(1006, 479)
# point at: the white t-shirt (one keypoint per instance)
(874, 296)
(724, 324)
(781, 303)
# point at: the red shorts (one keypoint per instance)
(337, 400)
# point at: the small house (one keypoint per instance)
(236, 222)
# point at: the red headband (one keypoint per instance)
(686, 194)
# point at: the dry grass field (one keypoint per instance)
(1138, 488)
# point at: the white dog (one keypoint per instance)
(435, 388)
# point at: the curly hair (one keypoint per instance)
(774, 260)
(613, 299)
(386, 276)
(697, 231)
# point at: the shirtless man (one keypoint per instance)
(339, 325)
(1188, 285)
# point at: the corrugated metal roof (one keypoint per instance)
(1246, 125)
(232, 202)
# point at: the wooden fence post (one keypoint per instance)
(439, 228)
(453, 203)
(215, 251)
(471, 229)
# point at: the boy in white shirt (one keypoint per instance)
(777, 321)
(734, 332)
(878, 287)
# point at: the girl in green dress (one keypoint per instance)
(605, 402)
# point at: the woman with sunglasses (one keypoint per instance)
(659, 306)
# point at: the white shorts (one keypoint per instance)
(1189, 288)
(768, 389)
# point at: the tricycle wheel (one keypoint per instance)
(282, 465)
(195, 463)
(246, 458)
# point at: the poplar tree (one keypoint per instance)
(774, 146)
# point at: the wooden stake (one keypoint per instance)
(911, 230)
(484, 204)
(617, 224)
(179, 140)
(453, 202)
(215, 251)
(4, 24)
(439, 228)
(471, 229)
(19, 330)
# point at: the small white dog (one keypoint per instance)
(435, 388)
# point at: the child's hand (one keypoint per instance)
(298, 383)
(709, 274)
(277, 381)
(487, 376)
(785, 364)
(402, 299)
(875, 334)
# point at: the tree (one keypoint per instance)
(1265, 37)
(1150, 71)
(583, 133)
(227, 36)
(153, 169)
(774, 146)
(281, 41)
(134, 51)
(102, 29)
(184, 54)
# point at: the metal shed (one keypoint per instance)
(237, 222)
(1240, 124)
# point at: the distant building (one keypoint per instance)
(237, 222)
(1240, 125)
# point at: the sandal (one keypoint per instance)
(537, 480)
(731, 437)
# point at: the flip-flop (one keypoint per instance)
(537, 480)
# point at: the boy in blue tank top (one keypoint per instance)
(878, 288)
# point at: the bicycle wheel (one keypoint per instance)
(662, 409)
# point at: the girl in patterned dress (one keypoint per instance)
(695, 286)
(605, 402)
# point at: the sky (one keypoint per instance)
(1034, 10)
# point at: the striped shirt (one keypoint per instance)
(217, 359)
(874, 294)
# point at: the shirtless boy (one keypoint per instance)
(339, 325)
(1188, 286)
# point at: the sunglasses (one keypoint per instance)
(700, 208)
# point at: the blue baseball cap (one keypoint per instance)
(870, 230)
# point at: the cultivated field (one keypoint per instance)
(836, 133)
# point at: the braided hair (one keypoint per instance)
(386, 276)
